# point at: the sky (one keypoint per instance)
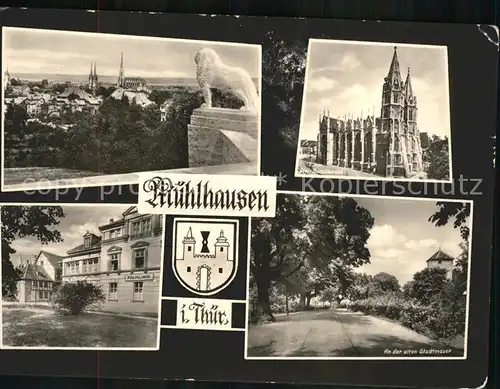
(402, 238)
(63, 52)
(78, 220)
(347, 78)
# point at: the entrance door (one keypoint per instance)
(204, 280)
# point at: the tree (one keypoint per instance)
(15, 82)
(277, 246)
(74, 298)
(73, 96)
(427, 284)
(359, 287)
(461, 269)
(330, 295)
(160, 96)
(283, 71)
(458, 212)
(59, 88)
(312, 242)
(383, 283)
(22, 221)
(438, 158)
(408, 289)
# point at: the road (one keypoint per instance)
(338, 333)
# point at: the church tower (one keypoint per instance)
(96, 79)
(6, 78)
(221, 246)
(93, 80)
(412, 133)
(391, 144)
(121, 79)
(188, 243)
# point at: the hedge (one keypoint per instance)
(438, 321)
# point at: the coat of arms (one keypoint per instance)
(205, 254)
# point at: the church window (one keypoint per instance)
(189, 248)
(220, 270)
(222, 249)
(189, 269)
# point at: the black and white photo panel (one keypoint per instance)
(81, 277)
(359, 277)
(87, 109)
(378, 111)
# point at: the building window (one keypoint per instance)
(114, 262)
(189, 248)
(220, 270)
(440, 262)
(138, 291)
(189, 269)
(90, 266)
(41, 295)
(113, 291)
(41, 263)
(88, 242)
(116, 233)
(139, 258)
(141, 228)
(72, 268)
(222, 249)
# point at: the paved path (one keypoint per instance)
(336, 333)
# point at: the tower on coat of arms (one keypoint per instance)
(205, 254)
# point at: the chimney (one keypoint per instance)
(111, 220)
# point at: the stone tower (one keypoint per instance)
(188, 242)
(398, 141)
(221, 246)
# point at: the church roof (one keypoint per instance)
(408, 88)
(394, 71)
(440, 256)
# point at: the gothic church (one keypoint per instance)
(387, 146)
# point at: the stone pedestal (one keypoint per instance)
(220, 136)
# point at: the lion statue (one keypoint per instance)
(211, 72)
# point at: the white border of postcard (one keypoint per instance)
(374, 177)
(382, 358)
(127, 178)
(160, 286)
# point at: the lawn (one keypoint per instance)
(29, 327)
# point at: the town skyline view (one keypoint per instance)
(56, 52)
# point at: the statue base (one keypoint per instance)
(220, 136)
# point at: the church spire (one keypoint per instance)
(408, 88)
(120, 74)
(394, 72)
(95, 70)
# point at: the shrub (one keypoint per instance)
(443, 319)
(74, 298)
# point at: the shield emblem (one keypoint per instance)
(205, 254)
